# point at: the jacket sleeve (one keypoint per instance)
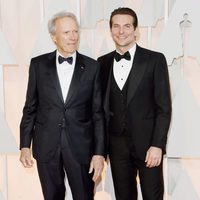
(162, 99)
(29, 110)
(98, 117)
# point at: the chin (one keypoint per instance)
(71, 51)
(122, 45)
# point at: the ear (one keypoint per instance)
(53, 37)
(137, 33)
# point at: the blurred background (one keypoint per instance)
(169, 26)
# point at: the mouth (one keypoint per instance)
(122, 37)
(119, 38)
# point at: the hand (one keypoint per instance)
(96, 164)
(25, 158)
(153, 157)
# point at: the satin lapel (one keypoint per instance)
(52, 71)
(75, 82)
(136, 73)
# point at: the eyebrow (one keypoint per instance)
(129, 24)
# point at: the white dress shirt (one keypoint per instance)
(122, 68)
(65, 72)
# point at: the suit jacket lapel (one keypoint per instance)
(75, 82)
(136, 73)
(52, 70)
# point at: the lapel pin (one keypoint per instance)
(82, 67)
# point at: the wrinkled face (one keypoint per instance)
(123, 32)
(66, 36)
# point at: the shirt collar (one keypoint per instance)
(132, 50)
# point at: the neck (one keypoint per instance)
(123, 49)
(65, 54)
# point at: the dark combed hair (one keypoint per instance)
(124, 11)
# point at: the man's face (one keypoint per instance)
(123, 32)
(66, 36)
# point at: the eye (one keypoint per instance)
(115, 26)
(127, 26)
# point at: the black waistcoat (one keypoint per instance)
(118, 106)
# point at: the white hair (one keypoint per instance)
(59, 15)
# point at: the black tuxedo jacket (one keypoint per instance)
(45, 109)
(148, 99)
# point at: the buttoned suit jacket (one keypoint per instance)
(148, 99)
(45, 110)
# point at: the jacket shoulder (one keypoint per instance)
(106, 56)
(43, 56)
(149, 52)
(87, 58)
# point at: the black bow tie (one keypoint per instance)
(126, 56)
(62, 59)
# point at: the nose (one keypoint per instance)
(73, 36)
(121, 30)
